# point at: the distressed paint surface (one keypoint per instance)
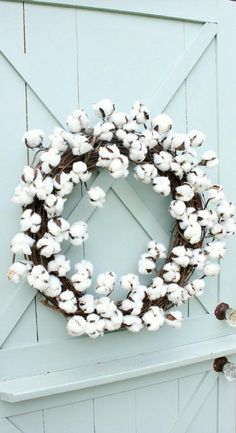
(45, 73)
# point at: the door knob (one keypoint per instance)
(224, 312)
(222, 365)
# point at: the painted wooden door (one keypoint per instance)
(174, 56)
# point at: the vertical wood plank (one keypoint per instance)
(29, 422)
(77, 417)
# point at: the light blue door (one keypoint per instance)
(174, 56)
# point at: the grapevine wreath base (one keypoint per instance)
(160, 157)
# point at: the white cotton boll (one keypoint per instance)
(18, 271)
(94, 326)
(198, 258)
(225, 209)
(153, 318)
(175, 294)
(162, 123)
(217, 231)
(133, 306)
(76, 326)
(33, 138)
(79, 143)
(30, 221)
(107, 154)
(80, 172)
(38, 278)
(23, 195)
(157, 289)
(63, 183)
(146, 264)
(145, 172)
(188, 218)
(115, 321)
(196, 138)
(54, 205)
(21, 244)
(106, 308)
(177, 209)
(209, 159)
(119, 167)
(184, 192)
(54, 287)
(138, 293)
(180, 141)
(171, 272)
(103, 131)
(59, 265)
(140, 112)
(78, 233)
(129, 281)
(57, 139)
(181, 256)
(137, 151)
(59, 229)
(174, 319)
(215, 250)
(129, 139)
(163, 160)
(133, 323)
(84, 267)
(229, 227)
(67, 302)
(29, 174)
(196, 287)
(161, 185)
(42, 187)
(216, 193)
(87, 303)
(165, 142)
(121, 134)
(81, 281)
(131, 126)
(97, 196)
(211, 269)
(104, 108)
(156, 250)
(149, 138)
(77, 121)
(181, 164)
(105, 283)
(206, 218)
(199, 180)
(193, 233)
(119, 119)
(48, 246)
(50, 159)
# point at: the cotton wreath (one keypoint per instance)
(158, 156)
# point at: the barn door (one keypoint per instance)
(175, 58)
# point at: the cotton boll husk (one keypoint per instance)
(196, 138)
(133, 323)
(199, 180)
(59, 229)
(59, 265)
(180, 141)
(206, 218)
(107, 154)
(18, 271)
(209, 159)
(97, 196)
(174, 319)
(139, 112)
(62, 182)
(134, 307)
(76, 326)
(33, 138)
(162, 123)
(104, 108)
(216, 193)
(48, 246)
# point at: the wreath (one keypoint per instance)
(160, 157)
